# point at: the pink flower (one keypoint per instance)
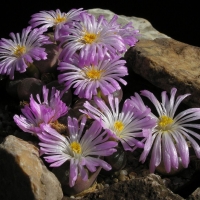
(169, 138)
(82, 149)
(104, 75)
(90, 37)
(125, 126)
(37, 112)
(16, 54)
(128, 33)
(55, 19)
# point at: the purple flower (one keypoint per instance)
(55, 19)
(90, 37)
(124, 126)
(128, 33)
(169, 138)
(104, 75)
(37, 112)
(82, 149)
(16, 54)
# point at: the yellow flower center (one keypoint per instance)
(164, 121)
(93, 73)
(89, 38)
(76, 147)
(59, 19)
(119, 126)
(19, 51)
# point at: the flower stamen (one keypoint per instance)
(19, 51)
(89, 38)
(119, 126)
(76, 147)
(164, 122)
(93, 73)
(59, 19)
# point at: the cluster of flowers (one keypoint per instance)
(91, 62)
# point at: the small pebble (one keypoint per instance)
(107, 180)
(127, 178)
(122, 177)
(123, 172)
(116, 173)
(132, 175)
(106, 185)
(115, 180)
(145, 173)
(100, 186)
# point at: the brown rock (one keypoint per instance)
(23, 175)
(29, 86)
(150, 187)
(167, 63)
(195, 195)
(49, 65)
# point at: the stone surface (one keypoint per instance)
(29, 86)
(23, 175)
(195, 195)
(50, 64)
(161, 60)
(149, 187)
(167, 63)
(147, 31)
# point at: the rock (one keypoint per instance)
(23, 175)
(11, 88)
(150, 187)
(11, 85)
(29, 86)
(161, 60)
(50, 64)
(146, 29)
(195, 195)
(167, 63)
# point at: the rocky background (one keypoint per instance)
(169, 59)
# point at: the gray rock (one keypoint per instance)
(147, 31)
(23, 174)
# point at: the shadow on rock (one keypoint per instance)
(14, 183)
